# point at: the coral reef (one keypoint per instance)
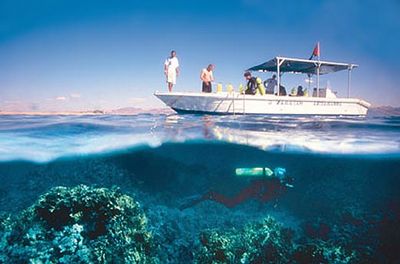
(263, 242)
(319, 251)
(78, 225)
(99, 225)
(176, 233)
(269, 242)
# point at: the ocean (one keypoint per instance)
(164, 188)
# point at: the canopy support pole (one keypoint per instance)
(349, 80)
(279, 62)
(278, 73)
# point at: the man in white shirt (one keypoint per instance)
(207, 77)
(171, 69)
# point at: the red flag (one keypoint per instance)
(316, 51)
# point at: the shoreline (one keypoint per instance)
(375, 110)
(95, 112)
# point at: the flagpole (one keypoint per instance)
(318, 67)
(318, 79)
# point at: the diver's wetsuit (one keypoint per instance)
(262, 190)
(251, 86)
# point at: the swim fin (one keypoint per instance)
(190, 201)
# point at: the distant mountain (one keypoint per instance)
(94, 112)
(120, 111)
(135, 110)
(384, 110)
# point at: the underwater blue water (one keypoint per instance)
(345, 171)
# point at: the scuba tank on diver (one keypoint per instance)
(278, 172)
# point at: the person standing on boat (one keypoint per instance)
(171, 69)
(270, 85)
(254, 84)
(207, 77)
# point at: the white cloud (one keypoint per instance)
(61, 98)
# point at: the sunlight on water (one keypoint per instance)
(43, 138)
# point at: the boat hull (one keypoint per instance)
(235, 103)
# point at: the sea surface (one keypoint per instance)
(343, 202)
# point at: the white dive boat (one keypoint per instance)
(320, 102)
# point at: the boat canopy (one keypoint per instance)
(294, 65)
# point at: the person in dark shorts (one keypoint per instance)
(207, 77)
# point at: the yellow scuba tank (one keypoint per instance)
(254, 172)
(241, 88)
(260, 86)
(219, 88)
(229, 88)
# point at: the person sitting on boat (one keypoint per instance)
(282, 90)
(254, 84)
(268, 186)
(270, 85)
(207, 77)
(300, 91)
(293, 92)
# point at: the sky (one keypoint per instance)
(70, 55)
